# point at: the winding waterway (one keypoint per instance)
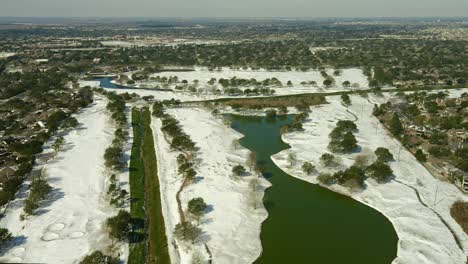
(308, 223)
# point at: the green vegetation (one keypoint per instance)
(308, 168)
(327, 159)
(346, 100)
(380, 171)
(137, 191)
(38, 191)
(383, 154)
(395, 126)
(342, 137)
(238, 170)
(326, 179)
(12, 185)
(197, 207)
(120, 225)
(58, 144)
(113, 155)
(420, 156)
(145, 195)
(271, 102)
(97, 257)
(433, 122)
(180, 140)
(353, 177)
(36, 103)
(5, 236)
(186, 231)
(271, 114)
(117, 195)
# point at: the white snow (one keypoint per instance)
(71, 223)
(205, 91)
(423, 238)
(203, 75)
(4, 55)
(232, 228)
(92, 83)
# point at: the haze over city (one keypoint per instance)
(238, 8)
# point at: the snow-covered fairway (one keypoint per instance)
(202, 74)
(423, 238)
(71, 223)
(205, 92)
(231, 229)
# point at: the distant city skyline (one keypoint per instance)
(230, 9)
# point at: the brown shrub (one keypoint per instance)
(459, 212)
(287, 101)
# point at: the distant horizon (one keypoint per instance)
(236, 17)
(377, 18)
(250, 9)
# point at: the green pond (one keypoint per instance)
(308, 223)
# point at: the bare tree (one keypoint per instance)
(197, 258)
(253, 198)
(58, 144)
(252, 161)
(292, 159)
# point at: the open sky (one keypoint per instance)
(233, 8)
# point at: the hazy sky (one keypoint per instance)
(233, 8)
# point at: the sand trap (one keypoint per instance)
(49, 236)
(18, 251)
(75, 235)
(15, 260)
(56, 227)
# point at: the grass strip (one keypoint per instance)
(158, 251)
(137, 193)
(148, 241)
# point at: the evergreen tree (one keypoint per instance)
(395, 125)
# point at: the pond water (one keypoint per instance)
(308, 223)
(106, 83)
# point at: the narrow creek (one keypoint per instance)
(308, 223)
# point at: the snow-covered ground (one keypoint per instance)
(423, 237)
(84, 83)
(203, 75)
(6, 54)
(231, 229)
(205, 91)
(71, 223)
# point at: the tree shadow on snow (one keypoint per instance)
(15, 242)
(198, 179)
(209, 208)
(204, 237)
(267, 175)
(54, 195)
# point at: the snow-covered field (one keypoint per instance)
(203, 75)
(205, 91)
(84, 83)
(6, 54)
(71, 223)
(231, 229)
(423, 238)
